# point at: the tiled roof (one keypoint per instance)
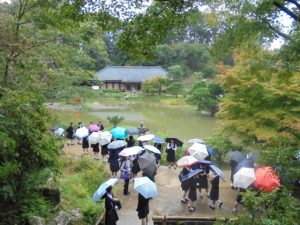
(130, 73)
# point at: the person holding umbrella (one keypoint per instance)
(185, 186)
(158, 156)
(85, 145)
(214, 191)
(171, 156)
(143, 209)
(202, 182)
(192, 192)
(96, 151)
(125, 174)
(130, 141)
(79, 126)
(70, 133)
(111, 216)
(113, 162)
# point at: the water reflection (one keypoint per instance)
(180, 121)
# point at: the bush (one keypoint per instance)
(78, 183)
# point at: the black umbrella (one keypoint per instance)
(176, 141)
(247, 163)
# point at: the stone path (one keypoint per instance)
(169, 196)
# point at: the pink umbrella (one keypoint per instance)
(186, 161)
(94, 128)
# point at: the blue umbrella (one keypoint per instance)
(102, 189)
(132, 131)
(116, 144)
(145, 187)
(158, 140)
(191, 174)
(205, 162)
(247, 163)
(119, 132)
(212, 152)
(217, 171)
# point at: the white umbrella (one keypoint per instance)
(102, 189)
(94, 138)
(195, 140)
(145, 187)
(82, 132)
(199, 151)
(59, 131)
(146, 137)
(104, 138)
(244, 177)
(152, 149)
(131, 151)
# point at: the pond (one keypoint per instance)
(162, 119)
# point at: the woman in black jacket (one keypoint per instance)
(111, 216)
(143, 209)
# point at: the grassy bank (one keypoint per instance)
(78, 182)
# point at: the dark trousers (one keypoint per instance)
(125, 191)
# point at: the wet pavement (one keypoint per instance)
(169, 195)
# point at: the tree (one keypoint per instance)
(115, 120)
(205, 96)
(28, 157)
(261, 103)
(174, 88)
(154, 85)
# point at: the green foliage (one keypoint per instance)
(78, 183)
(274, 208)
(220, 144)
(154, 85)
(205, 96)
(260, 101)
(29, 155)
(115, 120)
(175, 88)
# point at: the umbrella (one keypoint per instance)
(217, 171)
(176, 141)
(205, 162)
(158, 140)
(94, 128)
(195, 140)
(186, 161)
(104, 137)
(211, 151)
(199, 151)
(236, 156)
(117, 144)
(152, 149)
(82, 132)
(147, 163)
(131, 151)
(145, 187)
(191, 174)
(59, 131)
(266, 179)
(146, 137)
(244, 177)
(132, 131)
(247, 163)
(102, 189)
(252, 155)
(94, 138)
(119, 132)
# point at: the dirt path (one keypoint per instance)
(169, 196)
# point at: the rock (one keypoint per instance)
(35, 220)
(68, 217)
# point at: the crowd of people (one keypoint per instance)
(129, 168)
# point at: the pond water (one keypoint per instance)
(162, 119)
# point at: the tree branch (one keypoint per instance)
(36, 45)
(294, 2)
(280, 33)
(286, 10)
